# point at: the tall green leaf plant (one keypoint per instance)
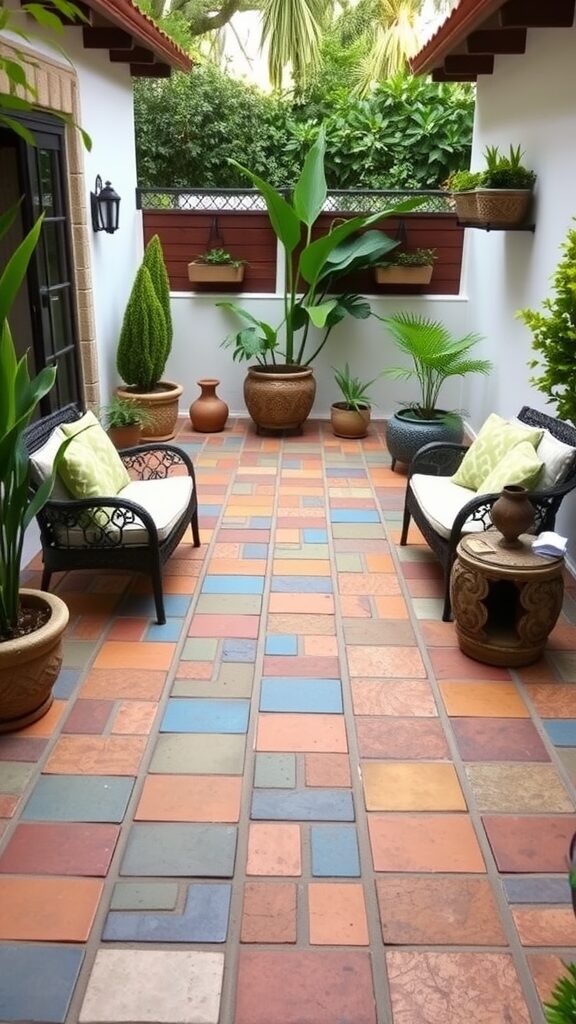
(312, 266)
(19, 397)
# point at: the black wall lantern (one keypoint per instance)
(105, 206)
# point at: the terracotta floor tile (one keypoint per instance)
(558, 701)
(48, 909)
(236, 567)
(498, 739)
(8, 804)
(449, 911)
(337, 914)
(397, 662)
(269, 912)
(545, 926)
(62, 848)
(435, 988)
(96, 755)
(302, 625)
(546, 970)
(123, 684)
(438, 634)
(135, 717)
(48, 725)
(274, 849)
(179, 584)
(424, 842)
(190, 798)
(321, 646)
(128, 629)
(401, 738)
(356, 606)
(387, 697)
(518, 788)
(236, 626)
(379, 563)
(385, 584)
(88, 717)
(420, 786)
(310, 667)
(303, 604)
(388, 607)
(331, 770)
(489, 699)
(125, 654)
(425, 588)
(301, 733)
(517, 845)
(452, 664)
(301, 567)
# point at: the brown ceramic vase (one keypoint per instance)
(208, 413)
(512, 514)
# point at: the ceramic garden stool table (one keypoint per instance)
(505, 600)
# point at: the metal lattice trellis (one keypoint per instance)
(250, 201)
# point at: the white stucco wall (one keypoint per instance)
(200, 326)
(529, 100)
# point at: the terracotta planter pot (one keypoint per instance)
(349, 422)
(30, 664)
(125, 437)
(161, 406)
(208, 414)
(399, 274)
(279, 397)
(513, 514)
(215, 273)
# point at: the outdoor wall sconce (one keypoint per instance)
(105, 207)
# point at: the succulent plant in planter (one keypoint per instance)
(462, 185)
(216, 265)
(503, 196)
(407, 266)
(350, 418)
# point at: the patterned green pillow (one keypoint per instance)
(91, 467)
(520, 465)
(496, 437)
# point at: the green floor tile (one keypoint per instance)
(428, 607)
(144, 896)
(233, 687)
(180, 850)
(77, 653)
(198, 754)
(349, 563)
(199, 649)
(15, 777)
(305, 552)
(229, 604)
(352, 531)
(275, 771)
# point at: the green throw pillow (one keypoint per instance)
(496, 437)
(520, 466)
(91, 467)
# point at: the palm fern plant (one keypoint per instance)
(435, 354)
(561, 1009)
(355, 391)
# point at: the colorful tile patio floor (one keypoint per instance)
(297, 802)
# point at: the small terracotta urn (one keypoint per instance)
(209, 412)
(512, 514)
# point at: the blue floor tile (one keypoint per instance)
(102, 798)
(255, 551)
(320, 696)
(302, 805)
(313, 502)
(176, 604)
(281, 643)
(205, 919)
(209, 510)
(561, 731)
(315, 536)
(169, 632)
(334, 851)
(233, 585)
(260, 522)
(37, 982)
(354, 515)
(301, 584)
(239, 650)
(537, 890)
(66, 683)
(198, 715)
(345, 471)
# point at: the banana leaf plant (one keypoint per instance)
(312, 267)
(19, 398)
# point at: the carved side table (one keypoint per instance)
(505, 600)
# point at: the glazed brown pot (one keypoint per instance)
(512, 514)
(279, 397)
(30, 664)
(208, 414)
(125, 437)
(161, 407)
(349, 422)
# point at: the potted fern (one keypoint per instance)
(145, 344)
(350, 418)
(216, 266)
(435, 356)
(124, 419)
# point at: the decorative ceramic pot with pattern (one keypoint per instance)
(279, 397)
(161, 407)
(406, 432)
(30, 664)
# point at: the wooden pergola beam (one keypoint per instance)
(503, 40)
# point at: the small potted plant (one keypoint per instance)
(124, 420)
(409, 266)
(462, 186)
(216, 266)
(503, 196)
(351, 417)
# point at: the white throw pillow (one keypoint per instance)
(42, 461)
(557, 458)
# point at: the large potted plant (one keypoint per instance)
(31, 622)
(279, 389)
(144, 346)
(435, 356)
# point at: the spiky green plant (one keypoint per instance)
(141, 353)
(355, 391)
(561, 1009)
(154, 261)
(435, 356)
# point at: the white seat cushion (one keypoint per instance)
(165, 500)
(441, 500)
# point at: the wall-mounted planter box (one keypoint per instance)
(503, 207)
(466, 206)
(215, 273)
(399, 274)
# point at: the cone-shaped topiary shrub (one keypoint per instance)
(142, 347)
(154, 260)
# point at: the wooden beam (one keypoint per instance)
(137, 55)
(504, 40)
(537, 14)
(106, 38)
(83, 7)
(440, 75)
(150, 70)
(469, 64)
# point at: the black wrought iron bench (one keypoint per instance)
(443, 459)
(115, 532)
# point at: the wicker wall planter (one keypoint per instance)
(503, 207)
(401, 274)
(215, 273)
(466, 206)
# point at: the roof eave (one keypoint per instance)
(126, 16)
(451, 33)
